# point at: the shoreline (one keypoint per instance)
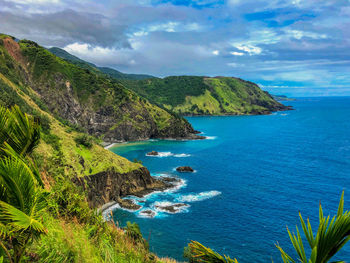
(169, 183)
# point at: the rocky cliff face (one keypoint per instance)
(109, 186)
(100, 105)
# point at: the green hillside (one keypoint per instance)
(87, 99)
(193, 95)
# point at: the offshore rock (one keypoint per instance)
(185, 169)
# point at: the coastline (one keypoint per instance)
(168, 184)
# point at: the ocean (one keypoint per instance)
(252, 176)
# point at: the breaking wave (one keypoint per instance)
(198, 197)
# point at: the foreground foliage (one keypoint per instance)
(331, 236)
(22, 199)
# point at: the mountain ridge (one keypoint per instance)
(106, 70)
(195, 95)
(100, 105)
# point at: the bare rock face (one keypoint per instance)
(185, 169)
(111, 186)
(128, 204)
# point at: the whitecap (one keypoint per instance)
(147, 213)
(182, 155)
(210, 137)
(198, 197)
(176, 186)
(161, 154)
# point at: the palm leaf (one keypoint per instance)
(332, 235)
(19, 130)
(207, 255)
(19, 220)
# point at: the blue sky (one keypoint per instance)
(292, 47)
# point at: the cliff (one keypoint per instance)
(110, 185)
(192, 95)
(65, 153)
(87, 99)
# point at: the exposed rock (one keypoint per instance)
(148, 213)
(185, 169)
(173, 208)
(153, 153)
(101, 106)
(110, 186)
(128, 204)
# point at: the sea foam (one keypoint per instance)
(168, 154)
(161, 206)
(198, 197)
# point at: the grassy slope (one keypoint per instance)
(189, 95)
(75, 233)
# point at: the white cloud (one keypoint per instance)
(298, 34)
(169, 27)
(234, 53)
(250, 49)
(216, 52)
(100, 55)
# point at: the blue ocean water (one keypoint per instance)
(252, 177)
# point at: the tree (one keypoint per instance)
(22, 198)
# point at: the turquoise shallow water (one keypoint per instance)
(252, 177)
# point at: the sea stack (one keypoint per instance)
(185, 169)
(153, 153)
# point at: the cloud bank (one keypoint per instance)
(292, 47)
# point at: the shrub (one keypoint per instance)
(84, 140)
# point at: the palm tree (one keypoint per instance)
(332, 235)
(22, 198)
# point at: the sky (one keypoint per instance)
(291, 47)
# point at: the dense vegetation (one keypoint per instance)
(191, 95)
(82, 96)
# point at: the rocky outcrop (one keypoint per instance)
(110, 186)
(153, 153)
(185, 169)
(171, 208)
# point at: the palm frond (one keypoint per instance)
(19, 220)
(19, 130)
(207, 255)
(332, 234)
